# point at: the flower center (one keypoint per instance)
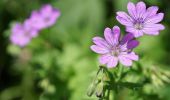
(115, 51)
(138, 24)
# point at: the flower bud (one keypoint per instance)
(99, 90)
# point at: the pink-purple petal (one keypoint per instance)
(155, 19)
(154, 27)
(125, 61)
(132, 44)
(108, 34)
(132, 10)
(151, 11)
(140, 8)
(131, 56)
(135, 32)
(124, 19)
(127, 38)
(123, 47)
(116, 34)
(113, 61)
(99, 50)
(116, 30)
(104, 58)
(138, 33)
(100, 42)
(150, 32)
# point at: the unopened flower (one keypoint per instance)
(113, 49)
(141, 20)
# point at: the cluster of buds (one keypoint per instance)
(159, 76)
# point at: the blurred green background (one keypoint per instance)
(59, 65)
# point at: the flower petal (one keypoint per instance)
(131, 56)
(140, 9)
(135, 32)
(127, 38)
(132, 44)
(100, 42)
(99, 50)
(150, 32)
(132, 10)
(112, 62)
(104, 58)
(124, 19)
(108, 34)
(116, 34)
(125, 61)
(151, 11)
(153, 29)
(155, 19)
(123, 47)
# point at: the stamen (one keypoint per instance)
(138, 24)
(115, 51)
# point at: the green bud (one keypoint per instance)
(99, 90)
(91, 90)
(165, 78)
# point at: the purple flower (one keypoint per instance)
(31, 31)
(113, 49)
(18, 36)
(36, 21)
(22, 34)
(141, 20)
(45, 17)
(49, 14)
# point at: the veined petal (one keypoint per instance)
(124, 19)
(99, 50)
(123, 47)
(108, 34)
(116, 30)
(155, 19)
(151, 11)
(100, 42)
(135, 32)
(150, 32)
(132, 44)
(140, 9)
(131, 56)
(125, 61)
(127, 38)
(113, 61)
(139, 33)
(105, 58)
(132, 10)
(153, 29)
(116, 34)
